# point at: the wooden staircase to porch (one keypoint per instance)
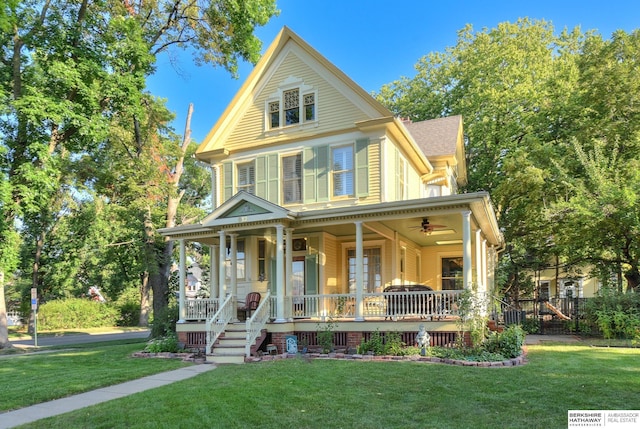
(231, 346)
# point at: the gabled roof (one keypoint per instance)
(437, 137)
(442, 141)
(213, 144)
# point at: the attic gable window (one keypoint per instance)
(292, 105)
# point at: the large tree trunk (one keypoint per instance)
(4, 330)
(633, 279)
(144, 300)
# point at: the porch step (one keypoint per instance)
(221, 359)
(230, 347)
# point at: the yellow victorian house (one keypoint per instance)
(331, 209)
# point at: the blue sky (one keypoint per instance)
(373, 41)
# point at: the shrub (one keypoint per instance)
(165, 344)
(507, 343)
(128, 305)
(325, 336)
(76, 313)
(393, 345)
(375, 344)
(616, 315)
(531, 325)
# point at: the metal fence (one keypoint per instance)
(554, 315)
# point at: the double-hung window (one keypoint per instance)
(292, 179)
(342, 166)
(247, 178)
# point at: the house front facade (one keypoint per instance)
(323, 200)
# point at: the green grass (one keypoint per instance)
(29, 379)
(296, 393)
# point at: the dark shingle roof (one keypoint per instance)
(436, 137)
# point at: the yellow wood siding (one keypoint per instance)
(374, 174)
(332, 266)
(432, 265)
(334, 112)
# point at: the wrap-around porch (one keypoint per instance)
(334, 265)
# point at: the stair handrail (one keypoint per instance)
(217, 323)
(257, 322)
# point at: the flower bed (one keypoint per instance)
(520, 360)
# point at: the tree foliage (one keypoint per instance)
(82, 138)
(552, 127)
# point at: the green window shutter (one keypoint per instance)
(362, 167)
(273, 178)
(311, 274)
(272, 277)
(322, 173)
(309, 167)
(261, 176)
(228, 180)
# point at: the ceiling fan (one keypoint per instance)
(427, 228)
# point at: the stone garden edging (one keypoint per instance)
(517, 361)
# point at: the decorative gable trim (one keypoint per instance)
(244, 207)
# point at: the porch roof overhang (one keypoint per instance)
(245, 213)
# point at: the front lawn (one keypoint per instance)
(299, 393)
(32, 378)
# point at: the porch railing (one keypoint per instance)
(257, 321)
(391, 305)
(201, 309)
(219, 321)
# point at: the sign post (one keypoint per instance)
(34, 308)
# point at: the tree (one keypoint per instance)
(507, 83)
(526, 96)
(67, 69)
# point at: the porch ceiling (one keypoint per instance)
(406, 228)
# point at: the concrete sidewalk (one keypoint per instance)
(60, 406)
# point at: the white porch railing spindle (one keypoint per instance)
(427, 304)
(257, 321)
(219, 321)
(201, 309)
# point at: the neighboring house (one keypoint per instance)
(559, 283)
(322, 200)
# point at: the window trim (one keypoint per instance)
(278, 96)
(372, 244)
(285, 180)
(241, 165)
(333, 172)
(441, 258)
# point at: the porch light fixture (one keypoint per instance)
(443, 242)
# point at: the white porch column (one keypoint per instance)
(182, 271)
(479, 272)
(213, 272)
(359, 273)
(485, 269)
(466, 249)
(288, 289)
(222, 257)
(234, 265)
(280, 274)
